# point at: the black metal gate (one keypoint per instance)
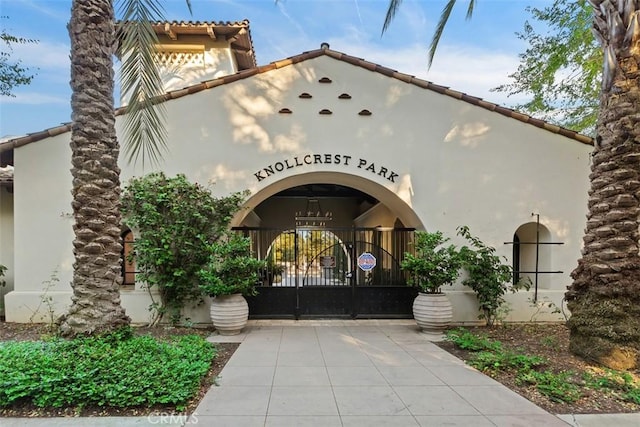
(337, 272)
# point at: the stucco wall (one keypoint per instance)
(446, 163)
(188, 62)
(6, 242)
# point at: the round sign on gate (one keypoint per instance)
(366, 261)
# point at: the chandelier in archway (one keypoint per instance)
(313, 216)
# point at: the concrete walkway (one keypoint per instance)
(348, 373)
(356, 373)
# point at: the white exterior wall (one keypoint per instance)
(190, 61)
(192, 67)
(6, 243)
(456, 164)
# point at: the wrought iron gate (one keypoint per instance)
(320, 272)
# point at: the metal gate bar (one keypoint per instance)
(314, 272)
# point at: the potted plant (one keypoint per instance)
(230, 274)
(489, 275)
(432, 266)
(272, 270)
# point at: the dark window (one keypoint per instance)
(128, 263)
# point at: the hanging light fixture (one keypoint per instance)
(313, 216)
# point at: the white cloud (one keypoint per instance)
(462, 68)
(475, 71)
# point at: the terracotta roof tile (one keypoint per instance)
(367, 65)
(454, 93)
(404, 77)
(386, 71)
(270, 67)
(285, 63)
(18, 142)
(212, 83)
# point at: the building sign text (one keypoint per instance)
(324, 159)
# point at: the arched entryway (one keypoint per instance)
(333, 244)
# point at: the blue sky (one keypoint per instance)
(473, 57)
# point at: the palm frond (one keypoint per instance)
(144, 124)
(394, 5)
(444, 18)
(472, 4)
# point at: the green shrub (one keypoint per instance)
(105, 371)
(609, 379)
(231, 269)
(563, 387)
(489, 276)
(468, 341)
(433, 265)
(619, 383)
(504, 361)
(176, 221)
(632, 396)
(557, 387)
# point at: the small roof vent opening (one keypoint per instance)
(324, 45)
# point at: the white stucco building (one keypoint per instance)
(377, 151)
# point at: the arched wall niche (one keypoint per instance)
(532, 244)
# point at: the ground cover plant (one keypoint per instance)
(533, 360)
(118, 370)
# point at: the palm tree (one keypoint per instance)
(604, 297)
(95, 304)
(95, 149)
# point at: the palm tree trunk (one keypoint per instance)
(604, 298)
(96, 176)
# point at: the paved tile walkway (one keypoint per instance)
(362, 373)
(356, 373)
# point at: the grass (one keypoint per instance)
(114, 370)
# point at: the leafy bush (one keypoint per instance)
(633, 395)
(609, 379)
(231, 268)
(433, 265)
(109, 370)
(620, 383)
(489, 275)
(490, 354)
(562, 387)
(503, 361)
(176, 221)
(557, 387)
(468, 341)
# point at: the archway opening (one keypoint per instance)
(353, 201)
(333, 244)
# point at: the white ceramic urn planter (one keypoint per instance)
(229, 313)
(432, 312)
